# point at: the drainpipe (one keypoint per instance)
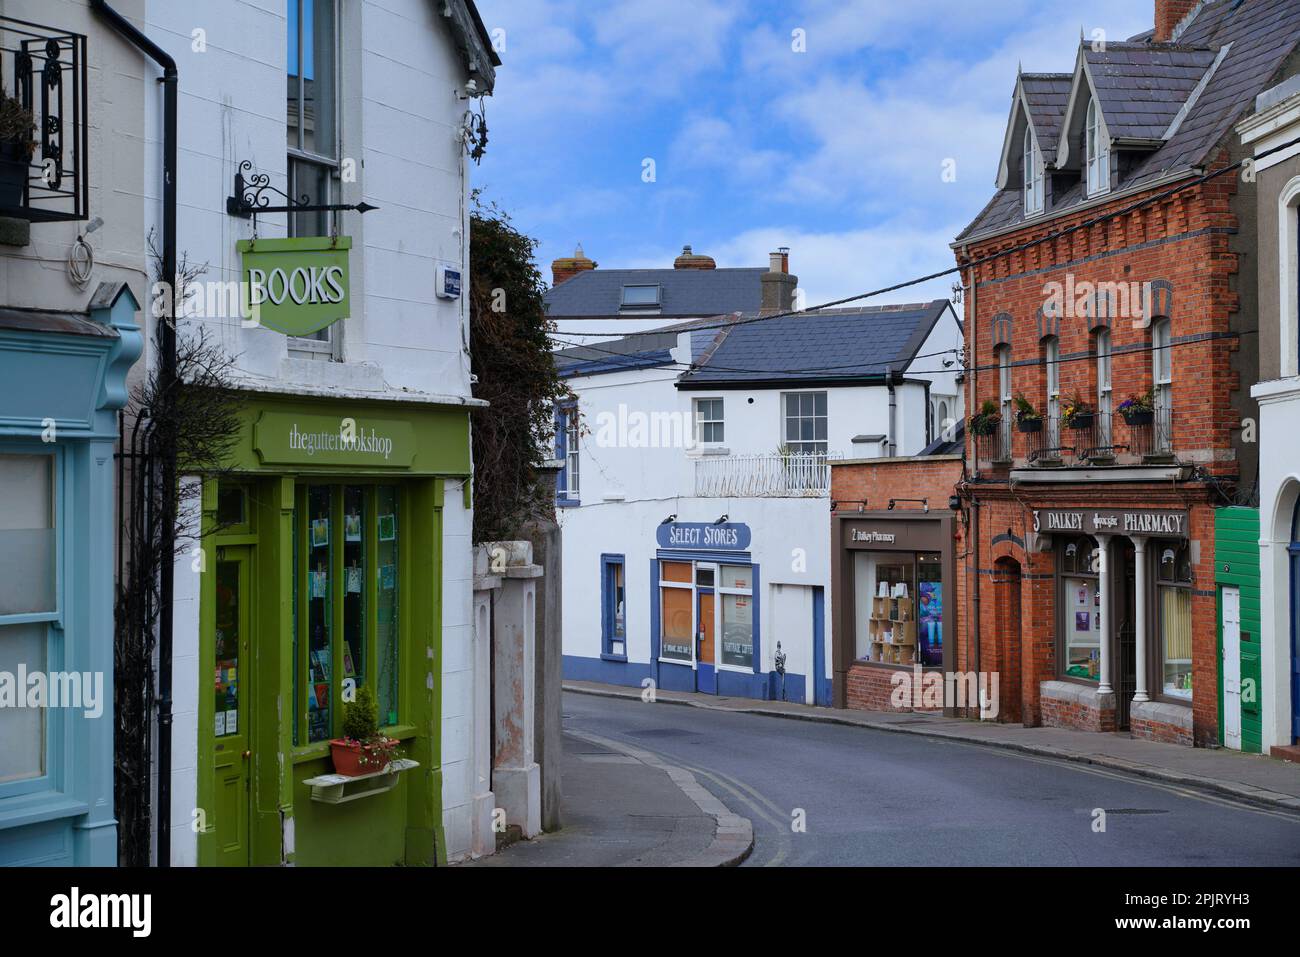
(893, 408)
(973, 361)
(167, 381)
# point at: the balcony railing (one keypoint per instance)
(996, 446)
(764, 476)
(44, 70)
(1106, 440)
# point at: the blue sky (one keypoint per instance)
(837, 152)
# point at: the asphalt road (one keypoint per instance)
(877, 798)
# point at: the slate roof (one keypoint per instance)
(834, 344)
(1141, 87)
(1262, 34)
(1046, 94)
(683, 292)
(641, 351)
(942, 446)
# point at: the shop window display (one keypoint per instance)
(899, 607)
(346, 611)
(1081, 600)
(736, 588)
(1174, 608)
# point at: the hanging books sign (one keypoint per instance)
(295, 286)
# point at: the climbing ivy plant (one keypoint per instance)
(510, 353)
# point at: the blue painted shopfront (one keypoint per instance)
(706, 577)
(64, 378)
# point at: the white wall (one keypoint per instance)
(35, 276)
(791, 543)
(400, 113)
(1279, 485)
(400, 121)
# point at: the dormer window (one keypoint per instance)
(641, 297)
(1097, 152)
(1033, 171)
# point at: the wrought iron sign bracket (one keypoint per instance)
(251, 197)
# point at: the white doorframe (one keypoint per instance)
(1231, 625)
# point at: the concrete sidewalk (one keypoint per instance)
(624, 807)
(1249, 778)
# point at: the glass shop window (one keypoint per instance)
(1081, 600)
(886, 589)
(1174, 611)
(676, 616)
(614, 605)
(28, 601)
(346, 597)
(737, 590)
(929, 608)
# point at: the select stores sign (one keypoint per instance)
(295, 286)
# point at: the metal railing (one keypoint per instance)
(1107, 439)
(771, 475)
(996, 446)
(44, 70)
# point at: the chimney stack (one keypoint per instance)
(567, 268)
(778, 285)
(1170, 13)
(691, 260)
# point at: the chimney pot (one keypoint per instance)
(777, 284)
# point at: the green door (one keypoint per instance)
(232, 758)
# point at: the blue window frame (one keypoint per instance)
(31, 612)
(613, 606)
(567, 445)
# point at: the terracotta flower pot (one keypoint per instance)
(352, 758)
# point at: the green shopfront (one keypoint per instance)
(321, 571)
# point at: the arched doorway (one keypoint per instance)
(1006, 589)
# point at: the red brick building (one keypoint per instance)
(892, 525)
(1109, 306)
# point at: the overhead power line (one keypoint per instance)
(991, 257)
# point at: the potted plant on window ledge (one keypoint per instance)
(1028, 419)
(1077, 414)
(985, 421)
(362, 749)
(1139, 409)
(16, 147)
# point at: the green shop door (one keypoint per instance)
(232, 758)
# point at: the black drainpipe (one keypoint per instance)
(167, 452)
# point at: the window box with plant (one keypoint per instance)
(1139, 409)
(362, 749)
(1028, 419)
(985, 421)
(17, 143)
(1077, 414)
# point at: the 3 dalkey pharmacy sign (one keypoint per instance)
(1112, 521)
(295, 286)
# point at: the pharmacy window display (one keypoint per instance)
(1174, 618)
(900, 607)
(1080, 601)
(346, 606)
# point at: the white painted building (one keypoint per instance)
(378, 99)
(694, 499)
(1275, 123)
